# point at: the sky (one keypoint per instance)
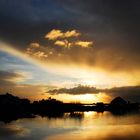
(87, 49)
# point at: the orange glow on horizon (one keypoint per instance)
(83, 98)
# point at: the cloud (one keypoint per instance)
(76, 90)
(30, 91)
(38, 51)
(40, 54)
(12, 82)
(72, 33)
(63, 43)
(32, 47)
(127, 92)
(60, 43)
(8, 77)
(52, 52)
(67, 44)
(34, 44)
(84, 44)
(58, 38)
(56, 33)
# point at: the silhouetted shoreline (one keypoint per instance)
(12, 107)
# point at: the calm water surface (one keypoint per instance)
(74, 126)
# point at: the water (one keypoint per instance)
(74, 126)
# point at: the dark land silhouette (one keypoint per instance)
(12, 107)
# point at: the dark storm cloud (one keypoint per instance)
(28, 20)
(111, 23)
(24, 21)
(119, 13)
(114, 25)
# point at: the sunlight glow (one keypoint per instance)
(86, 98)
(83, 76)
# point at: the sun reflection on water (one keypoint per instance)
(75, 126)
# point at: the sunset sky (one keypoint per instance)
(71, 50)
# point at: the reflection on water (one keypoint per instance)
(74, 126)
